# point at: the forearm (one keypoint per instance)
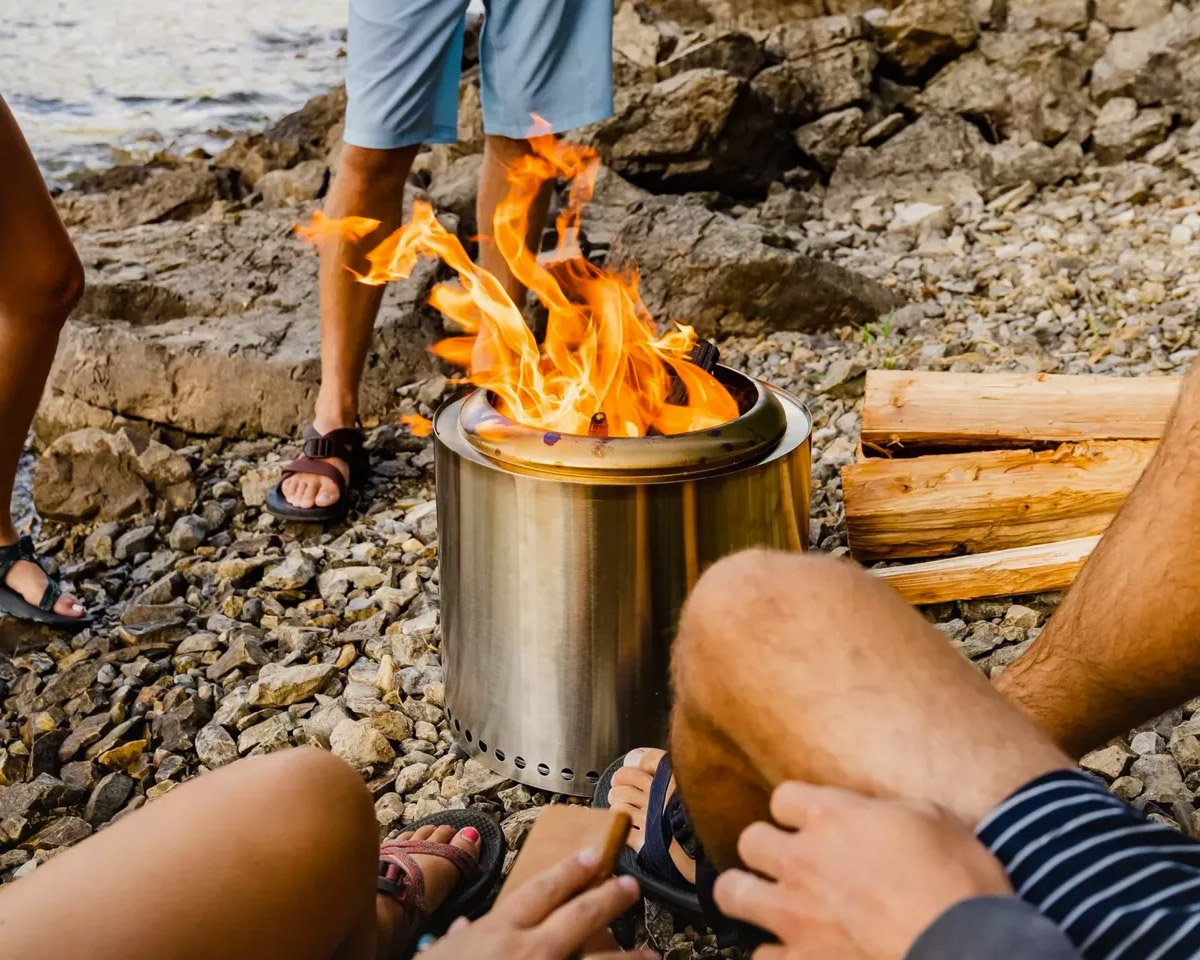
(1125, 644)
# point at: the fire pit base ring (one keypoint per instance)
(531, 771)
(561, 582)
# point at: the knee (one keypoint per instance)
(329, 808)
(375, 167)
(747, 605)
(53, 288)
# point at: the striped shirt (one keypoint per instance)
(1120, 886)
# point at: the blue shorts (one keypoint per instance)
(552, 58)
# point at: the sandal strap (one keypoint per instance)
(14, 553)
(320, 468)
(655, 855)
(401, 879)
(51, 595)
(468, 867)
(345, 443)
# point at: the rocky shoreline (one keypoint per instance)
(954, 185)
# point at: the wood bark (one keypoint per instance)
(956, 503)
(910, 411)
(1000, 573)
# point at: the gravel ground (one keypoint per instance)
(227, 634)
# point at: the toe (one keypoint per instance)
(327, 493)
(648, 759)
(633, 777)
(469, 841)
(406, 835)
(307, 494)
(68, 605)
(423, 833)
(443, 834)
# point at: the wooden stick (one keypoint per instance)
(1001, 573)
(913, 410)
(974, 502)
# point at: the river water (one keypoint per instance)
(93, 82)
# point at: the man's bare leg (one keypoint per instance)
(498, 153)
(790, 667)
(1124, 645)
(369, 183)
(41, 280)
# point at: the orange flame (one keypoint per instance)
(418, 425)
(601, 354)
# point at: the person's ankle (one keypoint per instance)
(334, 414)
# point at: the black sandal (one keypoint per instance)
(345, 444)
(667, 820)
(401, 879)
(17, 606)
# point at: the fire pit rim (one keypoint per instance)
(770, 414)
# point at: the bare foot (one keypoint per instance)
(631, 793)
(29, 580)
(440, 876)
(308, 490)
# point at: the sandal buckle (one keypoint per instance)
(319, 448)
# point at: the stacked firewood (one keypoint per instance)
(1008, 479)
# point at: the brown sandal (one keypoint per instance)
(345, 444)
(401, 879)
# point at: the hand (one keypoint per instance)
(551, 917)
(851, 878)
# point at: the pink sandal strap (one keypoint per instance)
(402, 880)
(466, 864)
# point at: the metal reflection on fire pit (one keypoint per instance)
(565, 560)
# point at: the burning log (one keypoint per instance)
(906, 410)
(706, 356)
(1043, 566)
(932, 506)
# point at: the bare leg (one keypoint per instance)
(801, 668)
(1123, 646)
(41, 280)
(369, 183)
(270, 858)
(498, 153)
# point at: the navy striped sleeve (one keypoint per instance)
(992, 928)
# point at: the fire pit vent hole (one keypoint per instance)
(483, 746)
(519, 762)
(499, 754)
(592, 777)
(458, 726)
(467, 734)
(543, 769)
(567, 773)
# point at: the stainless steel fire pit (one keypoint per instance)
(565, 560)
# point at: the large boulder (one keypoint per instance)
(1155, 65)
(722, 277)
(1131, 14)
(307, 134)
(1048, 14)
(701, 129)
(922, 156)
(213, 327)
(921, 33)
(834, 58)
(92, 474)
(128, 196)
(1026, 85)
(743, 14)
